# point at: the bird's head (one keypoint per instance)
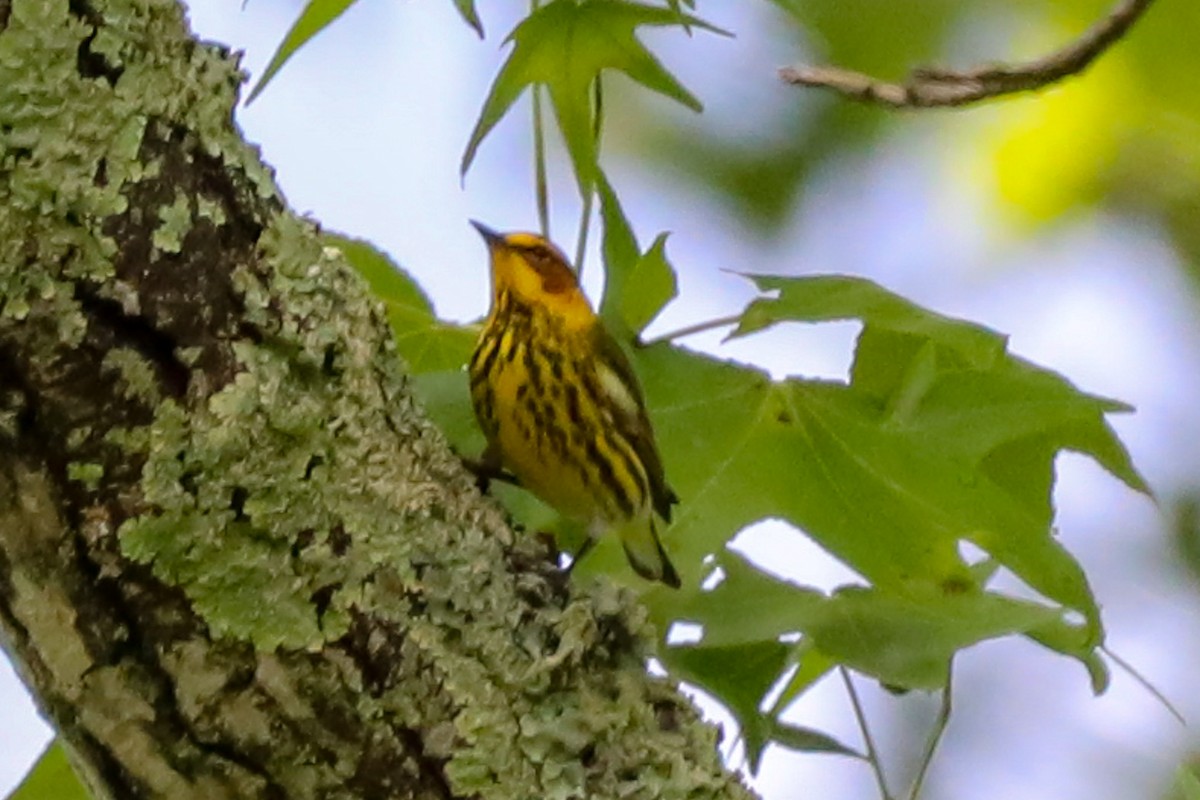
(533, 270)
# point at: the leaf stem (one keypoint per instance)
(585, 218)
(539, 164)
(1145, 684)
(699, 327)
(868, 740)
(935, 738)
(585, 215)
(541, 185)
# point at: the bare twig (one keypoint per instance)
(540, 181)
(936, 87)
(699, 327)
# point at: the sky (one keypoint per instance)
(365, 128)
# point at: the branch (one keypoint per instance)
(236, 560)
(937, 87)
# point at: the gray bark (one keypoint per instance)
(235, 560)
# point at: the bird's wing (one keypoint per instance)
(620, 384)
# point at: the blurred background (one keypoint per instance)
(1068, 219)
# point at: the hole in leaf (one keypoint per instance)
(777, 688)
(970, 552)
(684, 633)
(713, 580)
(1073, 617)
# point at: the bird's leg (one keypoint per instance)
(487, 468)
(592, 535)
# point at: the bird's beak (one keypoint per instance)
(492, 238)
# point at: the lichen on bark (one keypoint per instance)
(235, 559)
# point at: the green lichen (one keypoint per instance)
(290, 445)
(176, 221)
(87, 474)
(56, 127)
(211, 211)
(138, 379)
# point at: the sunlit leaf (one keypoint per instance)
(1070, 138)
(51, 777)
(565, 45)
(425, 342)
(648, 287)
(931, 444)
(825, 298)
(636, 285)
(315, 17)
(763, 161)
(892, 505)
(949, 379)
(901, 639)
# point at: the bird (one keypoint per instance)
(561, 407)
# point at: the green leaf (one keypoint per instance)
(434, 346)
(636, 286)
(808, 740)
(466, 9)
(1020, 402)
(740, 676)
(619, 246)
(1075, 640)
(312, 20)
(891, 501)
(51, 777)
(565, 45)
(387, 280)
(811, 666)
(424, 341)
(648, 287)
(446, 396)
(953, 380)
(903, 640)
(825, 298)
(739, 448)
(975, 425)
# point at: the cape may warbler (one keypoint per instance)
(561, 407)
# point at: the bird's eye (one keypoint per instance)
(540, 259)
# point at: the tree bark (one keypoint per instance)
(235, 560)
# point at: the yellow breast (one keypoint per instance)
(539, 403)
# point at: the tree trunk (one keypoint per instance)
(235, 560)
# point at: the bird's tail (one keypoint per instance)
(646, 554)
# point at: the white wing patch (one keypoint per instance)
(620, 394)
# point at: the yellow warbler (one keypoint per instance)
(560, 405)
